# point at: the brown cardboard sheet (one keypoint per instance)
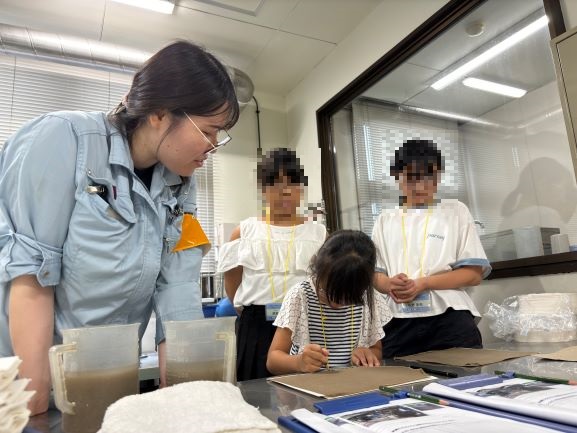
(566, 354)
(463, 357)
(353, 380)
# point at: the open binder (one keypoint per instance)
(535, 400)
(375, 399)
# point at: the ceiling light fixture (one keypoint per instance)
(489, 54)
(447, 115)
(162, 6)
(492, 87)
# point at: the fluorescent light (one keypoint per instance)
(492, 52)
(162, 6)
(448, 115)
(490, 86)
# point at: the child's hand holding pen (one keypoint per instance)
(313, 358)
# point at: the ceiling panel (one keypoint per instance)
(328, 21)
(528, 65)
(402, 84)
(55, 16)
(275, 69)
(272, 13)
(458, 99)
(239, 51)
(277, 47)
(454, 44)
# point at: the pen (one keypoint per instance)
(541, 379)
(404, 394)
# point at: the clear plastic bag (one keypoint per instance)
(542, 317)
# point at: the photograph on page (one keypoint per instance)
(413, 416)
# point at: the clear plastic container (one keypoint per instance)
(202, 349)
(94, 367)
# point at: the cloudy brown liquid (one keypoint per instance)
(93, 392)
(178, 372)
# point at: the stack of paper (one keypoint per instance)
(13, 397)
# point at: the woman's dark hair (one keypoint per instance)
(180, 78)
(422, 154)
(344, 268)
(278, 162)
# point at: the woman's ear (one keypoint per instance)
(159, 119)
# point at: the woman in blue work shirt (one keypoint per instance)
(92, 205)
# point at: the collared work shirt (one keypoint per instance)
(108, 257)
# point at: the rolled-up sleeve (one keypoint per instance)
(178, 295)
(37, 196)
(470, 250)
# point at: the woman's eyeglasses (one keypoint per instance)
(222, 137)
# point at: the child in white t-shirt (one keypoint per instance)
(429, 254)
(335, 318)
(266, 256)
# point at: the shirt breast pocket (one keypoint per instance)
(102, 239)
(110, 201)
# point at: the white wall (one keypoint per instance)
(387, 25)
(236, 191)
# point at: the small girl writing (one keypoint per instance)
(334, 318)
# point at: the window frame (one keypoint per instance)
(441, 21)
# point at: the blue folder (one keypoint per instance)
(354, 402)
(294, 425)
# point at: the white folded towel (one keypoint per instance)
(13, 392)
(15, 421)
(202, 407)
(8, 370)
(13, 397)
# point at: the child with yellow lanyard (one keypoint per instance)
(266, 256)
(429, 255)
(334, 319)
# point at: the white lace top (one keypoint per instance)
(300, 313)
(290, 248)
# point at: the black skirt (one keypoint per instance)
(253, 338)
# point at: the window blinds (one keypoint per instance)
(30, 88)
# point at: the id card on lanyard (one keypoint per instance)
(271, 310)
(422, 303)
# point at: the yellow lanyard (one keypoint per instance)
(323, 329)
(270, 259)
(405, 247)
